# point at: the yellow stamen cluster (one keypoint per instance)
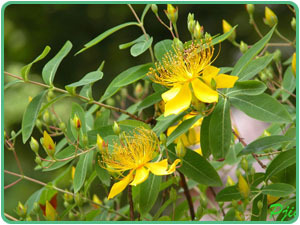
(182, 66)
(135, 151)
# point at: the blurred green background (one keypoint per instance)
(29, 28)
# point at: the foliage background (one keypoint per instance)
(29, 28)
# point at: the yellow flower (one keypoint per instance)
(192, 67)
(294, 63)
(134, 155)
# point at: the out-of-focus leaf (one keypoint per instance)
(30, 115)
(50, 68)
(289, 83)
(11, 83)
(102, 174)
(149, 101)
(35, 197)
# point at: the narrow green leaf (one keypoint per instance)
(35, 197)
(281, 162)
(50, 68)
(195, 167)
(102, 119)
(254, 67)
(204, 137)
(228, 194)
(126, 77)
(104, 35)
(162, 48)
(48, 104)
(86, 91)
(251, 53)
(30, 115)
(146, 9)
(102, 174)
(223, 37)
(261, 107)
(289, 83)
(25, 69)
(149, 191)
(81, 171)
(89, 78)
(264, 143)
(150, 100)
(278, 189)
(129, 44)
(182, 128)
(140, 47)
(220, 130)
(133, 76)
(163, 123)
(259, 214)
(11, 83)
(249, 87)
(131, 109)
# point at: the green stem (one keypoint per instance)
(284, 38)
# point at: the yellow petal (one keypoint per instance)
(158, 168)
(194, 136)
(120, 186)
(50, 212)
(210, 72)
(271, 199)
(184, 140)
(141, 175)
(203, 92)
(243, 187)
(180, 102)
(294, 62)
(225, 81)
(173, 166)
(170, 94)
(199, 151)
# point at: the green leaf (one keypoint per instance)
(48, 104)
(149, 191)
(259, 214)
(162, 48)
(89, 78)
(264, 143)
(254, 67)
(133, 76)
(104, 35)
(150, 100)
(35, 197)
(163, 123)
(146, 9)
(182, 128)
(204, 136)
(140, 47)
(11, 83)
(195, 167)
(129, 44)
(30, 115)
(102, 119)
(230, 215)
(131, 109)
(223, 37)
(81, 171)
(251, 53)
(47, 194)
(281, 162)
(278, 189)
(25, 69)
(228, 194)
(289, 83)
(50, 68)
(102, 174)
(249, 87)
(220, 130)
(261, 107)
(126, 77)
(86, 91)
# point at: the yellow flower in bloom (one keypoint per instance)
(294, 63)
(134, 155)
(192, 67)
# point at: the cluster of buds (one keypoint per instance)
(172, 13)
(194, 27)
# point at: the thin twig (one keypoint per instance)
(64, 191)
(269, 153)
(79, 96)
(165, 25)
(253, 154)
(187, 195)
(10, 217)
(12, 184)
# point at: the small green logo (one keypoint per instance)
(286, 212)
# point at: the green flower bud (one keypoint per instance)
(277, 55)
(13, 134)
(38, 160)
(163, 139)
(191, 26)
(172, 13)
(252, 171)
(66, 204)
(85, 140)
(50, 95)
(180, 149)
(71, 216)
(244, 164)
(78, 199)
(62, 126)
(293, 23)
(207, 37)
(38, 124)
(250, 8)
(238, 173)
(116, 128)
(28, 218)
(197, 31)
(46, 117)
(110, 102)
(21, 210)
(260, 205)
(154, 8)
(138, 91)
(243, 47)
(190, 17)
(68, 197)
(34, 145)
(36, 207)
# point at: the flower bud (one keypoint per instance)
(48, 144)
(50, 95)
(66, 204)
(238, 215)
(244, 164)
(62, 126)
(36, 207)
(85, 140)
(190, 17)
(277, 55)
(250, 8)
(243, 187)
(293, 23)
(180, 149)
(270, 17)
(138, 91)
(68, 197)
(294, 63)
(172, 13)
(230, 182)
(226, 28)
(163, 139)
(46, 117)
(38, 160)
(96, 200)
(76, 122)
(243, 47)
(34, 145)
(78, 199)
(260, 205)
(21, 210)
(197, 31)
(207, 36)
(73, 172)
(154, 8)
(12, 134)
(71, 215)
(116, 128)
(252, 171)
(191, 26)
(110, 102)
(100, 143)
(38, 124)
